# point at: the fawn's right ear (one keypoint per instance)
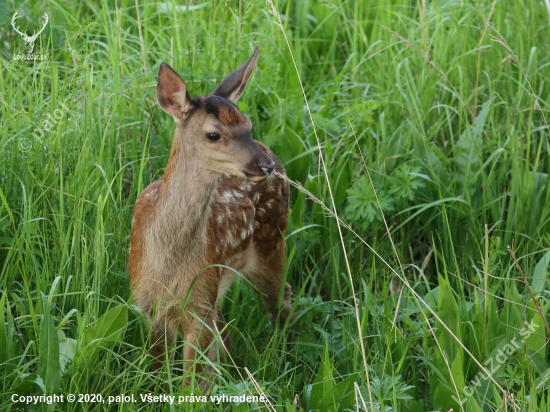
(172, 93)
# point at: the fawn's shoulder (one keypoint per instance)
(244, 211)
(146, 200)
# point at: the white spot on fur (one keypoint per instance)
(270, 186)
(219, 218)
(245, 185)
(244, 216)
(228, 197)
(233, 241)
(256, 197)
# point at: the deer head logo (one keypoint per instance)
(29, 40)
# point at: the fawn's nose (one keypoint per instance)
(266, 166)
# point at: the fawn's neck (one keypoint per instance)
(182, 211)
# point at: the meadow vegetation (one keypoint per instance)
(447, 113)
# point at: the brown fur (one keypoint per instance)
(227, 112)
(210, 208)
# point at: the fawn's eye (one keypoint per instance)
(213, 137)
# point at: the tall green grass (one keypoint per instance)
(394, 80)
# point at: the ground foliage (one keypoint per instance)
(447, 114)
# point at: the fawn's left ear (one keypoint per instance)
(233, 85)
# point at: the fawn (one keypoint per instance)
(218, 203)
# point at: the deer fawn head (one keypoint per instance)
(29, 40)
(212, 127)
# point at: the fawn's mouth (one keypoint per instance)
(255, 176)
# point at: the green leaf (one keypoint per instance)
(362, 203)
(443, 399)
(48, 352)
(472, 405)
(338, 397)
(543, 378)
(511, 318)
(449, 315)
(27, 383)
(492, 336)
(457, 372)
(387, 390)
(289, 407)
(539, 274)
(14, 347)
(410, 405)
(405, 182)
(323, 382)
(431, 298)
(297, 212)
(536, 340)
(476, 334)
(67, 349)
(342, 181)
(106, 332)
(108, 328)
(479, 121)
(4, 354)
(10, 348)
(469, 143)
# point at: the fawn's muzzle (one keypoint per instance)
(267, 168)
(259, 167)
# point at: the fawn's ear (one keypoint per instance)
(233, 85)
(172, 93)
